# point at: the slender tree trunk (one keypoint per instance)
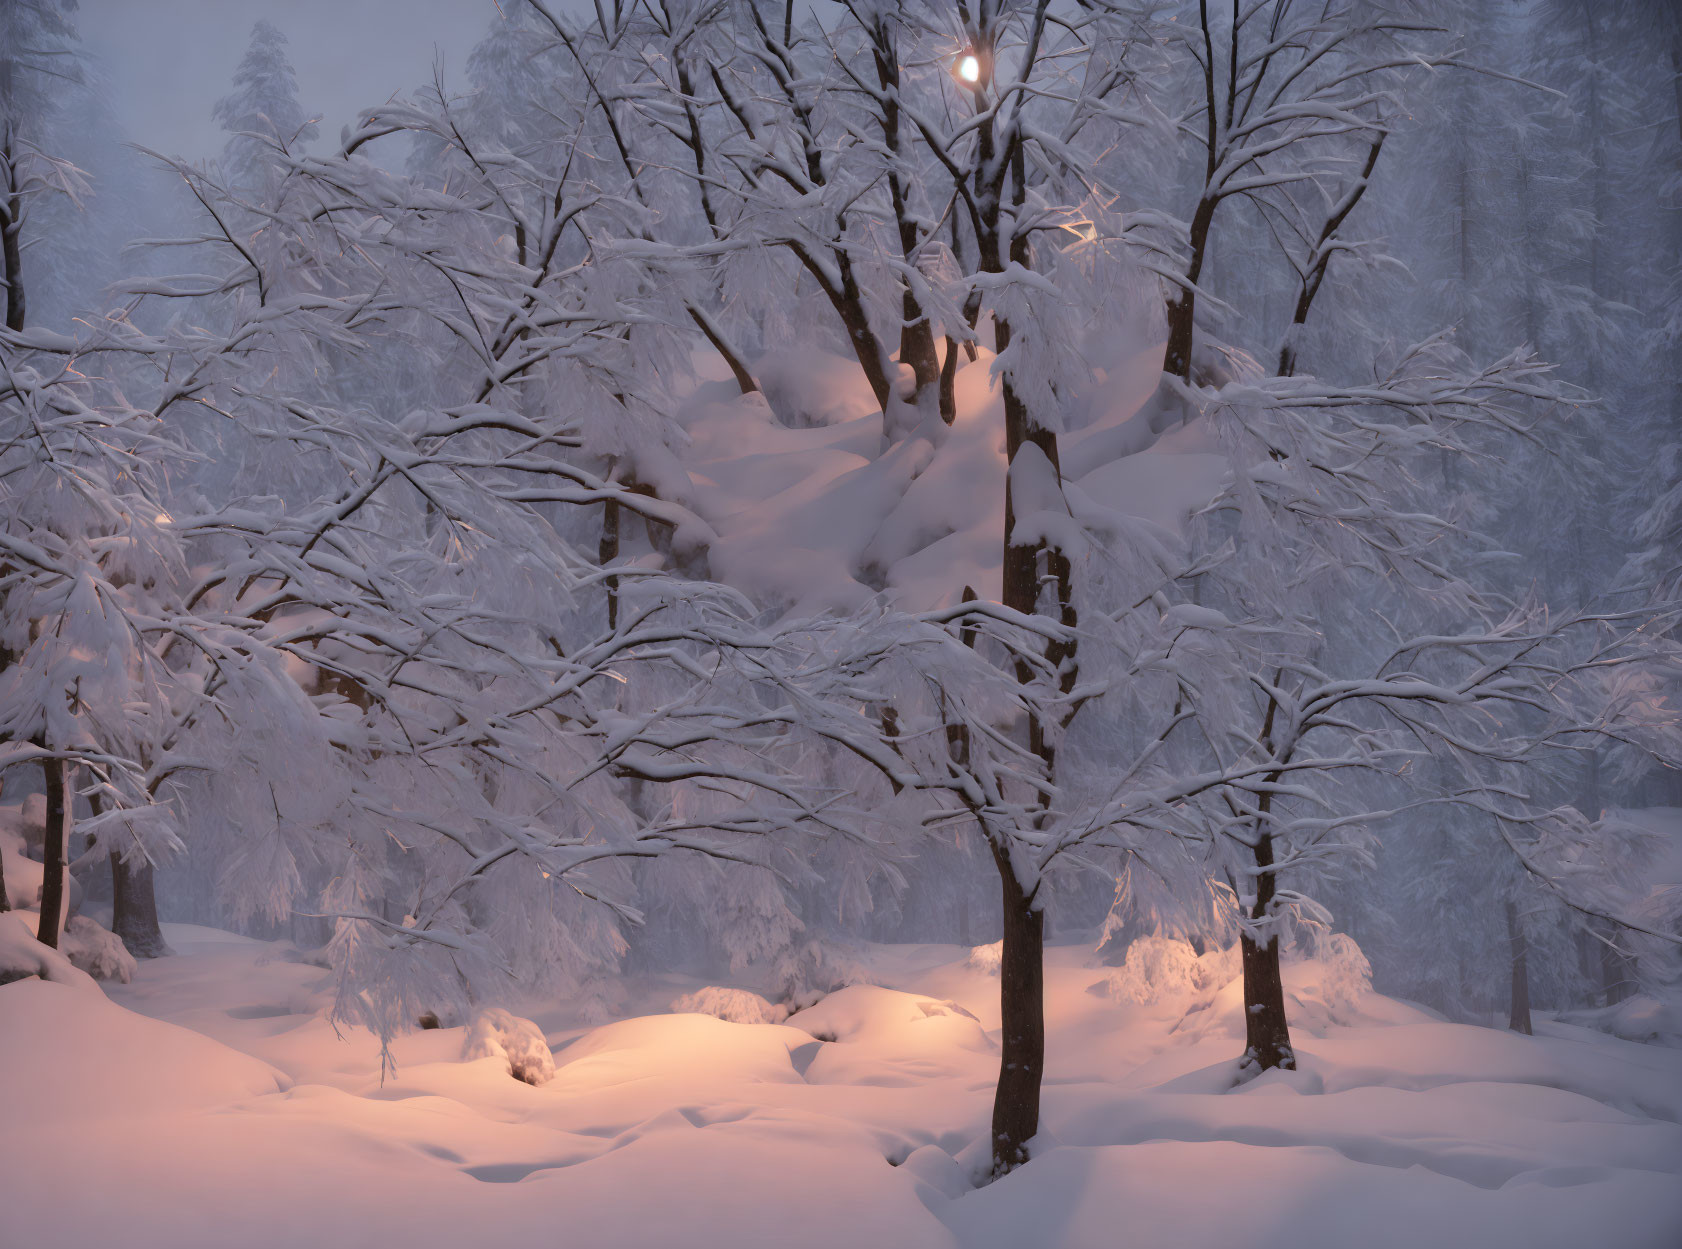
(1588, 966)
(949, 382)
(55, 855)
(722, 345)
(607, 550)
(11, 233)
(848, 302)
(1614, 974)
(1518, 1018)
(916, 335)
(1182, 308)
(1016, 1106)
(1267, 1033)
(1016, 1103)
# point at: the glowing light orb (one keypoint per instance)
(969, 67)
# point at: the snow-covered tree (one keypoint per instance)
(262, 114)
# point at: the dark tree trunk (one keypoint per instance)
(916, 335)
(949, 382)
(848, 302)
(1016, 1103)
(722, 345)
(1518, 1018)
(11, 235)
(1182, 308)
(55, 856)
(1016, 1106)
(134, 908)
(1267, 1033)
(1316, 272)
(607, 550)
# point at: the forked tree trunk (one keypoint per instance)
(1518, 1018)
(1016, 1103)
(1267, 1033)
(134, 908)
(55, 856)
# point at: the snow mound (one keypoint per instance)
(23, 957)
(76, 1055)
(681, 1048)
(494, 1033)
(97, 950)
(890, 1039)
(1642, 1018)
(986, 958)
(730, 1005)
(23, 874)
(868, 1014)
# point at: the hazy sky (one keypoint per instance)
(169, 61)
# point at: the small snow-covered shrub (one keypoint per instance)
(1342, 974)
(96, 950)
(23, 874)
(1156, 967)
(22, 957)
(812, 969)
(32, 820)
(730, 1005)
(1643, 1017)
(494, 1033)
(986, 958)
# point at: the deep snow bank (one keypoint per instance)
(854, 1123)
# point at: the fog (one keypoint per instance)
(166, 62)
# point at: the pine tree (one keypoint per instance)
(262, 114)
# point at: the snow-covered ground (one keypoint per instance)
(209, 1103)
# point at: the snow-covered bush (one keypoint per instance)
(96, 950)
(812, 969)
(1345, 976)
(985, 958)
(1158, 968)
(730, 1005)
(23, 874)
(494, 1033)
